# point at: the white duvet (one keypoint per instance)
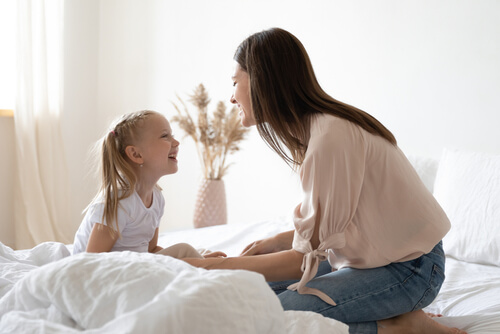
(46, 290)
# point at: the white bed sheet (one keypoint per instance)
(42, 289)
(231, 238)
(469, 298)
(45, 290)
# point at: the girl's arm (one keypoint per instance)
(102, 239)
(278, 266)
(153, 244)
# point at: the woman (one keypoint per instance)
(364, 210)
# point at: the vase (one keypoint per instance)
(210, 207)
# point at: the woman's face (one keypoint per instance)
(241, 95)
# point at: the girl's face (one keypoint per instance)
(158, 147)
(241, 95)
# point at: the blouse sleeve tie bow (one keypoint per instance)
(310, 265)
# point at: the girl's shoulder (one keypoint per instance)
(127, 204)
(97, 203)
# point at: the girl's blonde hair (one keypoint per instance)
(118, 178)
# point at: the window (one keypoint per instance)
(8, 19)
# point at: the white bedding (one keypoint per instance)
(470, 297)
(47, 290)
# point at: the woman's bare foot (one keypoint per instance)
(433, 315)
(415, 322)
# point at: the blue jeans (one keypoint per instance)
(364, 296)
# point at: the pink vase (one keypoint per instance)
(210, 208)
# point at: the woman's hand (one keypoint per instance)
(214, 254)
(280, 242)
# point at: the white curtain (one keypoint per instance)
(42, 194)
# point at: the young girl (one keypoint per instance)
(126, 213)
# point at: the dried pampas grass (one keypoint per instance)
(216, 137)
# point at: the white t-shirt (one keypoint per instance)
(137, 224)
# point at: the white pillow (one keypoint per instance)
(426, 168)
(468, 188)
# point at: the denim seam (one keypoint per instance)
(435, 271)
(439, 270)
(407, 278)
(367, 295)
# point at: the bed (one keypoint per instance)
(44, 289)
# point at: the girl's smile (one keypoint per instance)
(173, 156)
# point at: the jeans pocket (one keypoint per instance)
(437, 278)
(435, 283)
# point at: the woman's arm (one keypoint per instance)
(153, 244)
(102, 239)
(280, 242)
(278, 266)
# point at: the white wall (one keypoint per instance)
(427, 69)
(81, 117)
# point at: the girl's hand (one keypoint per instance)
(215, 254)
(278, 243)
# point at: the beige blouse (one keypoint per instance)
(370, 204)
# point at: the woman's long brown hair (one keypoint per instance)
(284, 91)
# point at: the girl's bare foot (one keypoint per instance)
(415, 322)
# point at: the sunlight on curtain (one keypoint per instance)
(42, 197)
(7, 54)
